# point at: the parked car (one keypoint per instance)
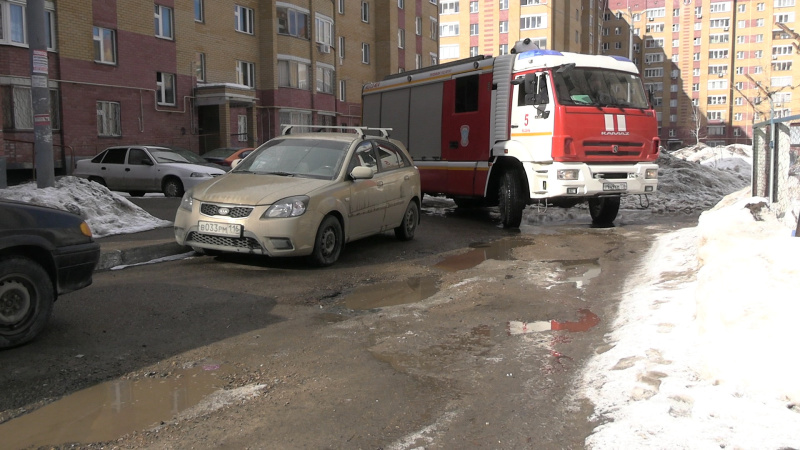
(44, 253)
(194, 158)
(224, 156)
(305, 195)
(138, 169)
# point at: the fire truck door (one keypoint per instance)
(533, 115)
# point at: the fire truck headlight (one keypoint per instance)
(571, 174)
(651, 174)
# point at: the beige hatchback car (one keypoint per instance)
(305, 195)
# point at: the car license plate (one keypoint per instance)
(220, 229)
(615, 186)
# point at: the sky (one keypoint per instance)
(703, 351)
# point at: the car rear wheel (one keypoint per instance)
(172, 187)
(329, 242)
(98, 180)
(26, 300)
(405, 232)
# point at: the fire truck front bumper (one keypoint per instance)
(584, 180)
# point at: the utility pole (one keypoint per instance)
(40, 95)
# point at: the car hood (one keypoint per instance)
(209, 168)
(252, 189)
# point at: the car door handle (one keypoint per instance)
(127, 169)
(103, 168)
(453, 144)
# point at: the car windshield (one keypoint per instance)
(600, 87)
(220, 153)
(313, 158)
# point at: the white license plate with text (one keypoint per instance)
(615, 186)
(220, 229)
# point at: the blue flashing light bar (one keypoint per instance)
(538, 52)
(621, 58)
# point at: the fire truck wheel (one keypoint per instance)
(510, 201)
(603, 209)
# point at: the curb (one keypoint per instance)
(138, 254)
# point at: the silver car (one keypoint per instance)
(138, 169)
(305, 195)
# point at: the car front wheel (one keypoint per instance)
(26, 300)
(329, 242)
(172, 188)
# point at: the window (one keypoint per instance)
(719, 23)
(165, 88)
(450, 29)
(434, 58)
(717, 100)
(466, 95)
(324, 29)
(417, 61)
(246, 73)
(401, 4)
(13, 25)
(105, 45)
(742, 7)
(717, 130)
(20, 109)
(504, 26)
(163, 22)
(533, 22)
(473, 7)
(241, 129)
(418, 26)
(654, 73)
(473, 29)
(719, 7)
(108, 120)
(340, 6)
(473, 51)
(324, 78)
(673, 118)
(199, 13)
(784, 17)
(719, 38)
(449, 7)
(654, 43)
(503, 4)
(365, 12)
(717, 84)
(718, 54)
(200, 67)
(244, 19)
(782, 65)
(296, 118)
(293, 22)
(760, 7)
(434, 28)
(342, 90)
(293, 73)
(365, 53)
(503, 50)
(449, 51)
(738, 117)
(341, 47)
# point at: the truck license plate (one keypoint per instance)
(220, 229)
(615, 186)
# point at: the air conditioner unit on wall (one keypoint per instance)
(324, 48)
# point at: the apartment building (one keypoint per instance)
(201, 74)
(715, 67)
(492, 27)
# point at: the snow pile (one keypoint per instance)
(106, 212)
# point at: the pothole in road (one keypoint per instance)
(500, 250)
(392, 293)
(112, 409)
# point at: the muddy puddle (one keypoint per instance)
(500, 250)
(587, 321)
(392, 293)
(112, 409)
(583, 270)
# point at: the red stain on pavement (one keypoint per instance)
(588, 320)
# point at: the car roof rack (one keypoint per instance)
(361, 131)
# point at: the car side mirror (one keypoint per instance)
(147, 162)
(361, 173)
(235, 163)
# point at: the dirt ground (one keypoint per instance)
(476, 343)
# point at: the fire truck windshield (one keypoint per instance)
(600, 87)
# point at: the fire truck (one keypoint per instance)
(533, 126)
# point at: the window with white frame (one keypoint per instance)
(719, 7)
(20, 112)
(757, 69)
(434, 28)
(650, 58)
(618, 30)
(342, 90)
(341, 47)
(473, 7)
(401, 4)
(717, 84)
(293, 21)
(324, 29)
(325, 75)
(105, 45)
(293, 72)
(417, 61)
(655, 13)
(676, 27)
(760, 7)
(530, 2)
(246, 73)
(716, 69)
(739, 70)
(758, 53)
(503, 26)
(654, 43)
(781, 65)
(786, 17)
(241, 128)
(784, 3)
(434, 58)
(718, 54)
(716, 130)
(696, 72)
(759, 22)
(719, 38)
(503, 4)
(365, 53)
(244, 19)
(450, 51)
(779, 50)
(401, 38)
(653, 28)
(293, 117)
(618, 45)
(654, 73)
(200, 67)
(673, 118)
(503, 50)
(740, 55)
(365, 12)
(449, 7)
(418, 26)
(108, 119)
(165, 88)
(340, 6)
(163, 22)
(719, 23)
(473, 29)
(717, 100)
(199, 11)
(533, 22)
(473, 51)
(449, 29)
(738, 117)
(741, 24)
(695, 56)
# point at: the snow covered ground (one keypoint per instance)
(702, 351)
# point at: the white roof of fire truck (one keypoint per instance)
(524, 61)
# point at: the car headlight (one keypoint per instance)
(567, 174)
(287, 207)
(200, 175)
(187, 201)
(651, 174)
